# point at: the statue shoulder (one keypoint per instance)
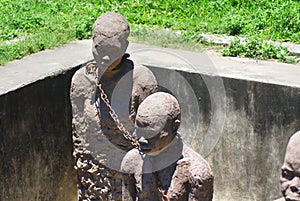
(88, 72)
(200, 176)
(132, 162)
(199, 169)
(143, 76)
(84, 80)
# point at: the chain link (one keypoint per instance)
(134, 142)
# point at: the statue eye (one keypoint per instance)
(287, 174)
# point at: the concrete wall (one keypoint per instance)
(260, 118)
(36, 160)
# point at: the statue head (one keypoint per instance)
(157, 122)
(110, 33)
(290, 178)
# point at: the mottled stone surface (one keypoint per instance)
(290, 170)
(167, 168)
(99, 145)
(36, 160)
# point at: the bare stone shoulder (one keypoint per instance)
(83, 78)
(144, 77)
(132, 162)
(200, 175)
(144, 84)
(199, 169)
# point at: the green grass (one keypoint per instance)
(47, 23)
(256, 48)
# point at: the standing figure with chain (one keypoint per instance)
(166, 169)
(105, 95)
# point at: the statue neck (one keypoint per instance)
(165, 158)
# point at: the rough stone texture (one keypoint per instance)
(145, 84)
(290, 170)
(36, 143)
(98, 142)
(99, 145)
(188, 178)
(168, 170)
(110, 33)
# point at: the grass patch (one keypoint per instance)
(41, 21)
(256, 48)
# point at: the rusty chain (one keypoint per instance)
(134, 142)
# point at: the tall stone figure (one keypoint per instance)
(99, 145)
(166, 169)
(290, 170)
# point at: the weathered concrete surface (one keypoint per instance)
(36, 143)
(36, 161)
(260, 118)
(262, 111)
(47, 63)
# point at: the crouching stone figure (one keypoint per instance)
(165, 169)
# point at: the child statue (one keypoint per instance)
(164, 168)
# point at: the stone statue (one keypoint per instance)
(166, 169)
(290, 170)
(99, 145)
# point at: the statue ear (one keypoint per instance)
(176, 125)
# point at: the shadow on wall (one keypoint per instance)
(36, 142)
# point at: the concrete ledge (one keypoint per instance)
(47, 63)
(210, 63)
(44, 64)
(262, 109)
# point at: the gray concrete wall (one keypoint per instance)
(36, 143)
(260, 118)
(262, 112)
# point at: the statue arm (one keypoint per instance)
(201, 182)
(202, 191)
(130, 163)
(128, 187)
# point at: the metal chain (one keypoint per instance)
(164, 196)
(134, 142)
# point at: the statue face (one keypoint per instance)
(110, 33)
(157, 121)
(108, 51)
(290, 178)
(155, 137)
